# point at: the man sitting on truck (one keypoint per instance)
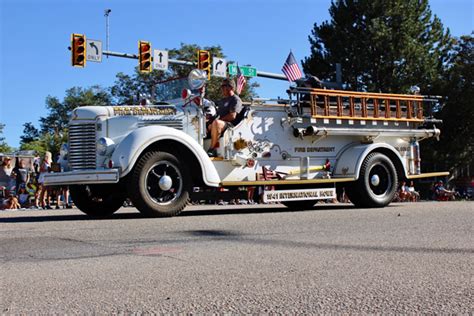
(227, 110)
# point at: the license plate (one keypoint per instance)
(298, 195)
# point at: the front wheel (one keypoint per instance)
(98, 200)
(159, 185)
(377, 183)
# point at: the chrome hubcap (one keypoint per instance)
(375, 180)
(380, 179)
(165, 183)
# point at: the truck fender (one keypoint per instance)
(350, 160)
(131, 147)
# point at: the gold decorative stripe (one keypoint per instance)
(284, 182)
(429, 175)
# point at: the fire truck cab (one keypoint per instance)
(300, 149)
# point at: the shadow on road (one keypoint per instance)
(66, 217)
(210, 211)
(256, 239)
(257, 210)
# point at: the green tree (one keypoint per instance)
(59, 111)
(188, 52)
(456, 145)
(30, 133)
(129, 89)
(381, 45)
(39, 146)
(54, 124)
(4, 148)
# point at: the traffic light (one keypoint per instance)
(144, 56)
(204, 62)
(78, 49)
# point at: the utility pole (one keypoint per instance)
(106, 14)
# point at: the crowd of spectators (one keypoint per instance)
(407, 193)
(21, 184)
(22, 178)
(437, 192)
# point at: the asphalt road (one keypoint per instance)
(406, 258)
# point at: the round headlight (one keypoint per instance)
(105, 146)
(197, 78)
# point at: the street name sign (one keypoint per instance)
(246, 71)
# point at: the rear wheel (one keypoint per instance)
(98, 200)
(159, 185)
(377, 183)
(353, 194)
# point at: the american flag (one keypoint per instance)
(240, 80)
(291, 69)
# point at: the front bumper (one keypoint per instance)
(82, 177)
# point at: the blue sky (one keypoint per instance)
(35, 34)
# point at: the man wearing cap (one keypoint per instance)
(227, 110)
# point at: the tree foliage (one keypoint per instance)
(53, 131)
(130, 89)
(59, 111)
(30, 133)
(127, 89)
(456, 146)
(381, 45)
(4, 148)
(32, 139)
(391, 45)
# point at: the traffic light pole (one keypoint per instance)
(135, 56)
(263, 74)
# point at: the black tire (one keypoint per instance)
(98, 200)
(300, 205)
(155, 195)
(353, 194)
(377, 183)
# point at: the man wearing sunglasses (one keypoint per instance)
(227, 110)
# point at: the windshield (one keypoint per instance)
(171, 89)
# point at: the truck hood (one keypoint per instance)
(91, 112)
(94, 112)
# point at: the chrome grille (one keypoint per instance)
(82, 146)
(177, 124)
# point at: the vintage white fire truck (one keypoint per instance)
(300, 150)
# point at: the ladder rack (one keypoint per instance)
(351, 105)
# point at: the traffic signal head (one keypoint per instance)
(204, 62)
(144, 56)
(78, 49)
